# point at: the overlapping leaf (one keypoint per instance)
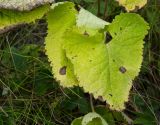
(109, 68)
(132, 4)
(80, 57)
(62, 17)
(10, 18)
(88, 21)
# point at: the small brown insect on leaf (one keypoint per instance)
(62, 70)
(122, 69)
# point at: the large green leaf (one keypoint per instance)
(86, 21)
(80, 56)
(60, 18)
(107, 70)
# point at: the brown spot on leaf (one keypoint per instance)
(108, 38)
(122, 69)
(85, 33)
(62, 70)
(74, 57)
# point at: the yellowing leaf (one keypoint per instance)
(87, 20)
(9, 18)
(132, 4)
(80, 57)
(107, 70)
(59, 19)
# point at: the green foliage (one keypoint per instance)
(144, 119)
(87, 21)
(24, 71)
(90, 119)
(29, 95)
(101, 8)
(106, 114)
(13, 17)
(76, 101)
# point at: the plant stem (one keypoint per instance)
(91, 103)
(3, 111)
(105, 10)
(99, 7)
